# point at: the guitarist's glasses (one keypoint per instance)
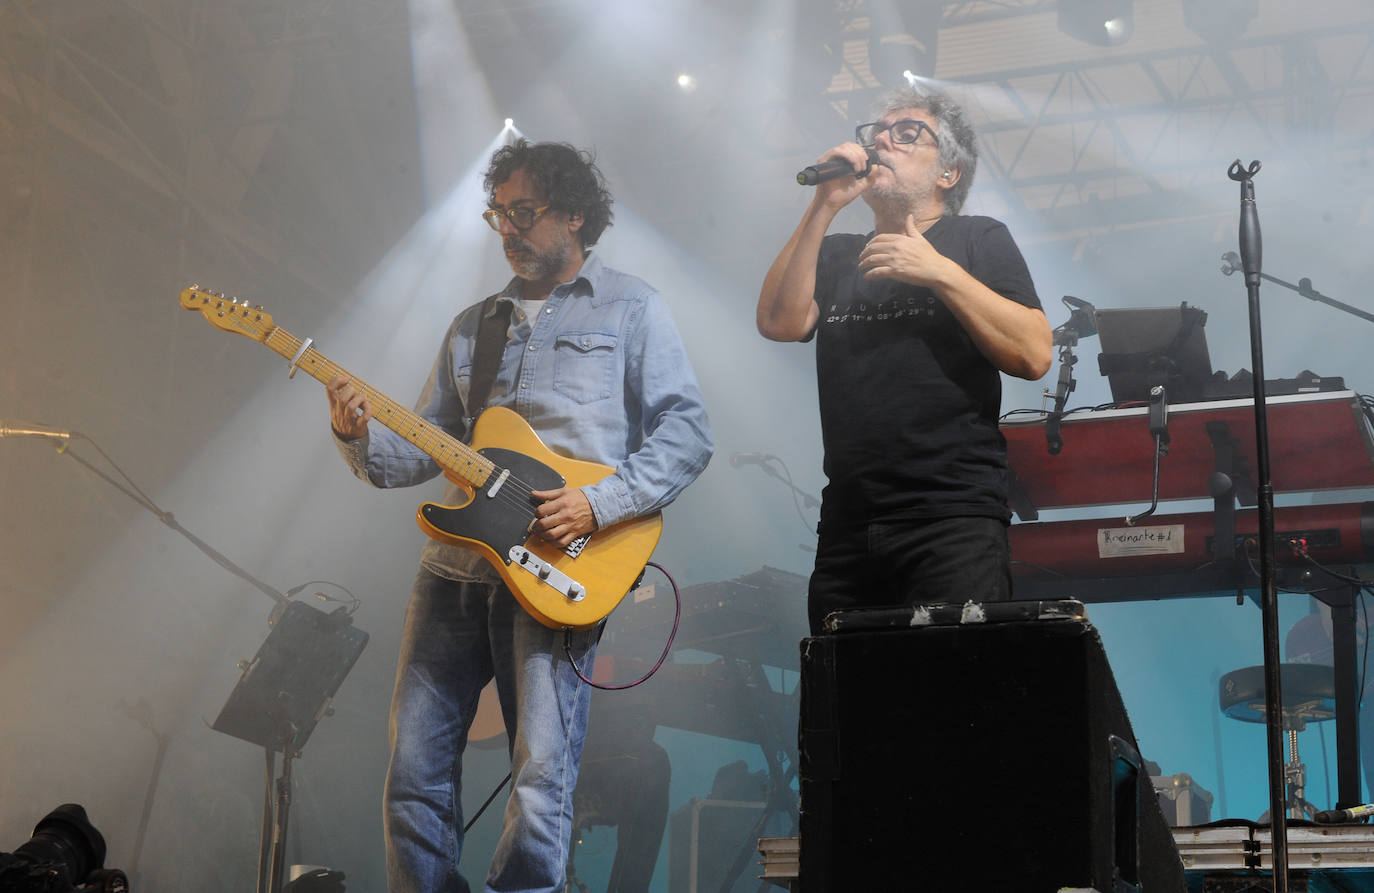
(520, 217)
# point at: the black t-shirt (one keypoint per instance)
(909, 405)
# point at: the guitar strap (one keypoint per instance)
(492, 328)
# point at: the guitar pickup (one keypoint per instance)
(523, 558)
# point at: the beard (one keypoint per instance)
(891, 194)
(533, 265)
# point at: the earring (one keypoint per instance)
(946, 175)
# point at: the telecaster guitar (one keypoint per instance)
(574, 587)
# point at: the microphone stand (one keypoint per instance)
(807, 499)
(1251, 253)
(1054, 441)
(272, 845)
(1304, 288)
(1081, 324)
(167, 518)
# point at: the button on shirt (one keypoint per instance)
(600, 373)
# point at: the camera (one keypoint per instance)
(66, 853)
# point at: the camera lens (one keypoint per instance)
(66, 839)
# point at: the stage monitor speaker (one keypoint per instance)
(973, 756)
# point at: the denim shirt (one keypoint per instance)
(600, 374)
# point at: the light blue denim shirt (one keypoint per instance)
(600, 373)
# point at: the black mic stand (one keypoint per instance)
(1231, 263)
(324, 659)
(799, 496)
(1066, 339)
(806, 498)
(1250, 253)
(1080, 325)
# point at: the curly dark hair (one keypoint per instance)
(568, 177)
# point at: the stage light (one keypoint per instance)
(911, 79)
(510, 123)
(1218, 21)
(902, 39)
(686, 82)
(1105, 23)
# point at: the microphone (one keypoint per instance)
(1230, 263)
(738, 459)
(1081, 318)
(833, 169)
(16, 428)
(1332, 816)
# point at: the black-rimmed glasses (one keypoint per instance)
(521, 217)
(903, 132)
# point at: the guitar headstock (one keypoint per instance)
(229, 314)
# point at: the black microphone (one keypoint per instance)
(833, 169)
(1333, 816)
(1081, 316)
(738, 459)
(1230, 263)
(16, 428)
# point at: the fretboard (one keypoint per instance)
(450, 452)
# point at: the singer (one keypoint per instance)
(914, 322)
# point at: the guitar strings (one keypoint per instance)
(514, 493)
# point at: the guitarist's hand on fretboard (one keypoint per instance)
(348, 408)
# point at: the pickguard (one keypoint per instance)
(503, 520)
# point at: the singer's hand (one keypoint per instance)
(348, 408)
(842, 190)
(906, 257)
(563, 516)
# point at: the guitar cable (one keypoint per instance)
(667, 646)
(567, 651)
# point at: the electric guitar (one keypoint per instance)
(573, 587)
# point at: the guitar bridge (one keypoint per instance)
(575, 547)
(523, 558)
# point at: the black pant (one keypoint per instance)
(909, 563)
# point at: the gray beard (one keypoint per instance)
(895, 198)
(537, 266)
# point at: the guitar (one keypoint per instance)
(574, 587)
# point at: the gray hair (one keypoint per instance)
(958, 143)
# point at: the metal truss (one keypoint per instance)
(1091, 139)
(181, 108)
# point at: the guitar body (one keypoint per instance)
(499, 515)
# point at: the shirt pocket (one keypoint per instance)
(584, 365)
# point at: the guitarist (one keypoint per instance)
(592, 360)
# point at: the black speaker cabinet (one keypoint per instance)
(973, 756)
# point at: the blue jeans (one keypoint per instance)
(458, 636)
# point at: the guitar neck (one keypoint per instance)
(451, 453)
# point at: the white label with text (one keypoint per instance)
(1124, 542)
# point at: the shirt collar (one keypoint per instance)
(584, 283)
